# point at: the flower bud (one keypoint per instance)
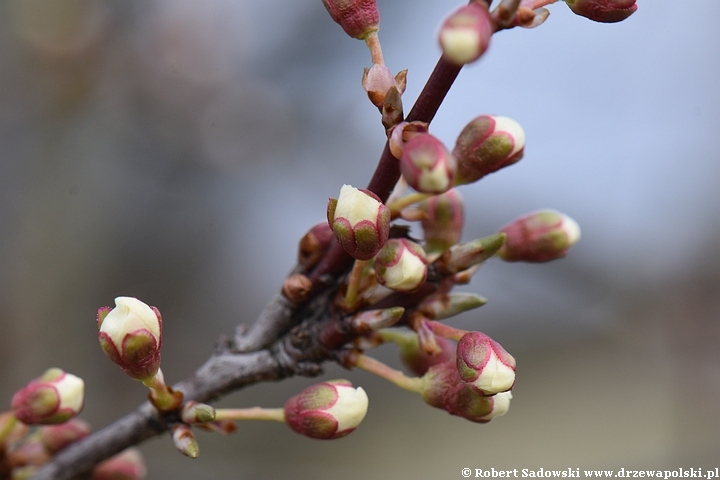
(539, 237)
(427, 165)
(130, 335)
(445, 305)
(358, 18)
(444, 389)
(194, 412)
(402, 133)
(484, 364)
(127, 465)
(57, 437)
(327, 410)
(466, 33)
(314, 244)
(485, 145)
(442, 221)
(401, 265)
(376, 81)
(184, 440)
(55, 397)
(465, 255)
(605, 11)
(360, 222)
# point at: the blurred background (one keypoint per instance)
(176, 151)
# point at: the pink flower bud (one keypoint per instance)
(131, 336)
(427, 165)
(539, 237)
(358, 18)
(466, 33)
(484, 364)
(401, 265)
(605, 11)
(376, 81)
(442, 221)
(360, 222)
(444, 389)
(57, 437)
(56, 397)
(327, 410)
(486, 145)
(127, 465)
(403, 133)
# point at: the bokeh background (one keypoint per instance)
(176, 151)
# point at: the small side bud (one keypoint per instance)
(485, 145)
(465, 34)
(184, 440)
(539, 237)
(604, 11)
(359, 18)
(442, 221)
(465, 255)
(314, 244)
(446, 305)
(327, 410)
(402, 133)
(374, 320)
(427, 165)
(127, 465)
(401, 265)
(296, 288)
(131, 336)
(57, 437)
(360, 221)
(53, 398)
(376, 81)
(484, 364)
(194, 412)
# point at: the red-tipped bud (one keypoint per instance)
(444, 389)
(56, 397)
(484, 364)
(486, 145)
(466, 33)
(314, 244)
(127, 465)
(131, 336)
(442, 220)
(360, 222)
(401, 265)
(539, 237)
(427, 165)
(358, 18)
(327, 410)
(57, 437)
(605, 11)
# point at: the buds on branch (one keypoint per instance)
(55, 397)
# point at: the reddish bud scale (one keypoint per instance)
(312, 246)
(427, 165)
(419, 362)
(604, 11)
(358, 18)
(443, 222)
(445, 390)
(57, 437)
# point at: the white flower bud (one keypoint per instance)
(56, 397)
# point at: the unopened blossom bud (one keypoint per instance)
(127, 465)
(314, 244)
(466, 33)
(485, 145)
(442, 221)
(427, 165)
(57, 437)
(401, 265)
(605, 11)
(194, 412)
(539, 237)
(358, 18)
(484, 364)
(130, 335)
(402, 133)
(444, 389)
(378, 80)
(184, 440)
(360, 222)
(55, 397)
(327, 410)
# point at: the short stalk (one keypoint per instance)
(254, 413)
(162, 396)
(373, 43)
(369, 364)
(398, 205)
(354, 280)
(446, 331)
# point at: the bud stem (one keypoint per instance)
(254, 413)
(162, 396)
(369, 364)
(373, 43)
(398, 205)
(354, 280)
(7, 428)
(446, 331)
